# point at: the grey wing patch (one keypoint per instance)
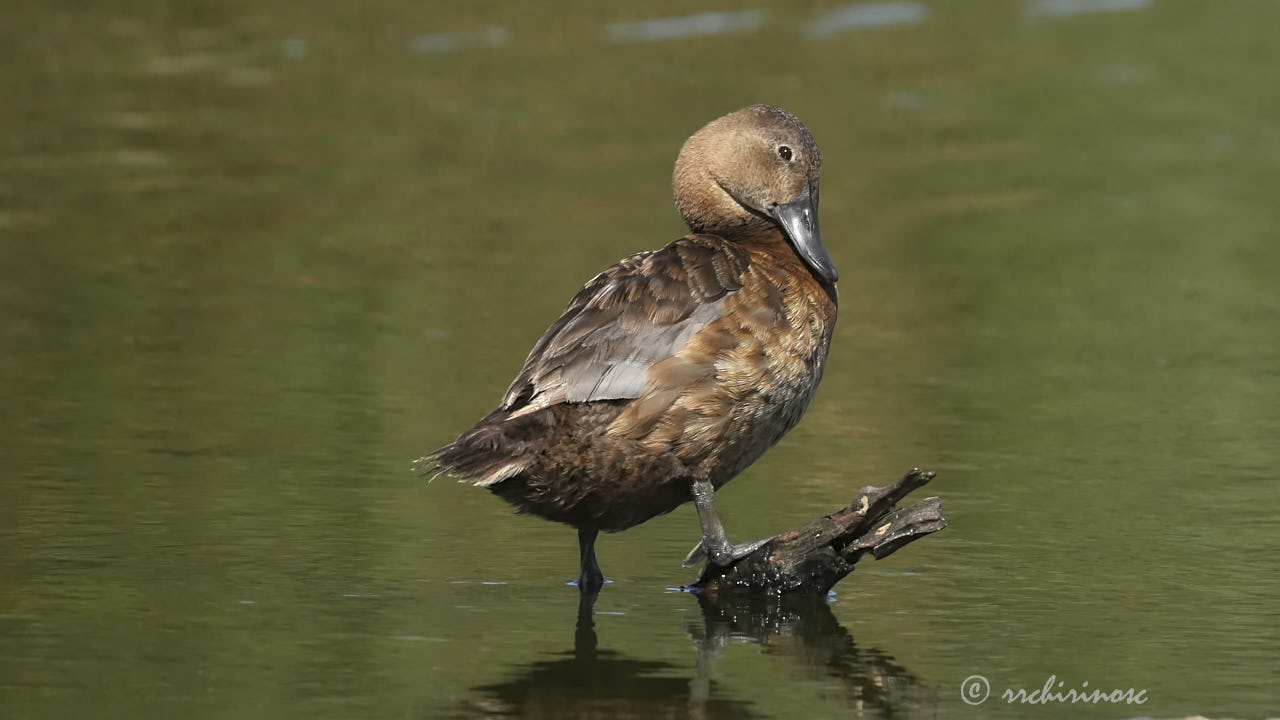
(623, 322)
(625, 377)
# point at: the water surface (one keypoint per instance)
(254, 259)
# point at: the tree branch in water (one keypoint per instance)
(817, 555)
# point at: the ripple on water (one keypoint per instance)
(1063, 8)
(864, 16)
(674, 28)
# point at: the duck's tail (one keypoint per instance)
(483, 455)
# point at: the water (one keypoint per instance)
(254, 259)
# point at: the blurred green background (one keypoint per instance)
(256, 257)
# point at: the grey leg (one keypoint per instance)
(590, 577)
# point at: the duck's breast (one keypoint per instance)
(747, 378)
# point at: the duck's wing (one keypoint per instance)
(624, 321)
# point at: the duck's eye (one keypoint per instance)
(784, 152)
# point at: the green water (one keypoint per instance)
(255, 258)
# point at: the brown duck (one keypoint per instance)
(672, 371)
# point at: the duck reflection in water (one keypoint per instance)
(801, 633)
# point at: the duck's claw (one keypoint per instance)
(695, 555)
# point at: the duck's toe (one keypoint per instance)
(723, 556)
(734, 553)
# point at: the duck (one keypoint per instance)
(675, 369)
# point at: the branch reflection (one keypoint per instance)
(801, 633)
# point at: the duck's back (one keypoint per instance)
(681, 363)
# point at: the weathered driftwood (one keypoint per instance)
(817, 555)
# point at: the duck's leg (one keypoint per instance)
(590, 577)
(715, 545)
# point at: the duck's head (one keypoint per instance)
(754, 170)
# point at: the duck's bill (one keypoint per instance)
(799, 220)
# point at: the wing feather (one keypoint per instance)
(625, 321)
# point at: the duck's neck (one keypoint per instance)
(770, 247)
(766, 241)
